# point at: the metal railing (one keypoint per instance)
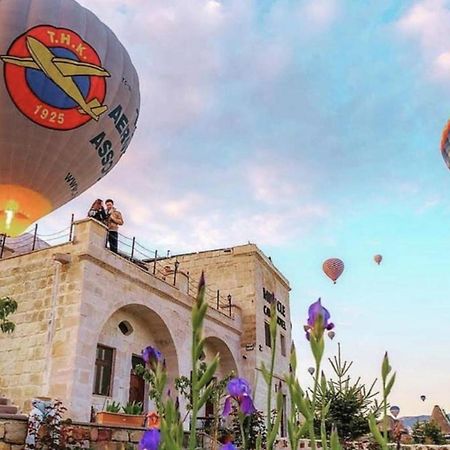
(129, 248)
(165, 269)
(32, 241)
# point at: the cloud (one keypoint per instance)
(320, 14)
(426, 23)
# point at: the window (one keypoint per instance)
(125, 327)
(267, 334)
(103, 370)
(283, 344)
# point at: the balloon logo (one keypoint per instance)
(394, 410)
(378, 259)
(55, 78)
(333, 268)
(69, 105)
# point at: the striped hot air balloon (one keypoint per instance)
(333, 268)
(378, 259)
(69, 103)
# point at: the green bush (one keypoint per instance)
(427, 433)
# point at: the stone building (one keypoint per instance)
(85, 314)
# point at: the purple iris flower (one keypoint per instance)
(228, 446)
(318, 320)
(239, 390)
(151, 356)
(150, 440)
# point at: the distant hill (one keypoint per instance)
(410, 421)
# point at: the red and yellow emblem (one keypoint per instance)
(55, 78)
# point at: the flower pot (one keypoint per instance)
(110, 418)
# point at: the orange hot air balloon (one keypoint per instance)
(378, 259)
(69, 103)
(333, 268)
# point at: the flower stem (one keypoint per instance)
(312, 434)
(241, 426)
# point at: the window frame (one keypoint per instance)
(102, 363)
(267, 336)
(283, 344)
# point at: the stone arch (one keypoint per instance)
(214, 345)
(148, 328)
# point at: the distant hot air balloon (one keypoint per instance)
(311, 370)
(423, 397)
(331, 334)
(445, 144)
(69, 104)
(378, 259)
(394, 411)
(333, 268)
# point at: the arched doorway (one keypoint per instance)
(227, 366)
(123, 337)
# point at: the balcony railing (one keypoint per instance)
(158, 264)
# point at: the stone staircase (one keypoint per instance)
(6, 408)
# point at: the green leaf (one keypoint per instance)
(274, 431)
(211, 369)
(390, 385)
(206, 395)
(293, 359)
(385, 367)
(334, 440)
(266, 373)
(376, 432)
(317, 348)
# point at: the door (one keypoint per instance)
(137, 384)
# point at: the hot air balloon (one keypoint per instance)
(445, 144)
(423, 398)
(331, 334)
(394, 411)
(378, 259)
(311, 370)
(333, 268)
(69, 104)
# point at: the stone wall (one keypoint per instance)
(71, 298)
(244, 271)
(13, 432)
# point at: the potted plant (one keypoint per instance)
(131, 415)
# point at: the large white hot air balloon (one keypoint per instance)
(69, 104)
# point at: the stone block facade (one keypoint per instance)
(78, 297)
(252, 280)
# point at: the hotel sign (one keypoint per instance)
(269, 297)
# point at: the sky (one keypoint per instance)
(311, 128)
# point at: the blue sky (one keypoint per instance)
(311, 128)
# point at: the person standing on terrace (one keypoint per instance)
(113, 221)
(97, 211)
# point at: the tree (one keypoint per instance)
(7, 306)
(350, 402)
(427, 433)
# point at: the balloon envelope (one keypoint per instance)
(69, 103)
(333, 268)
(445, 144)
(423, 397)
(378, 259)
(394, 410)
(311, 370)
